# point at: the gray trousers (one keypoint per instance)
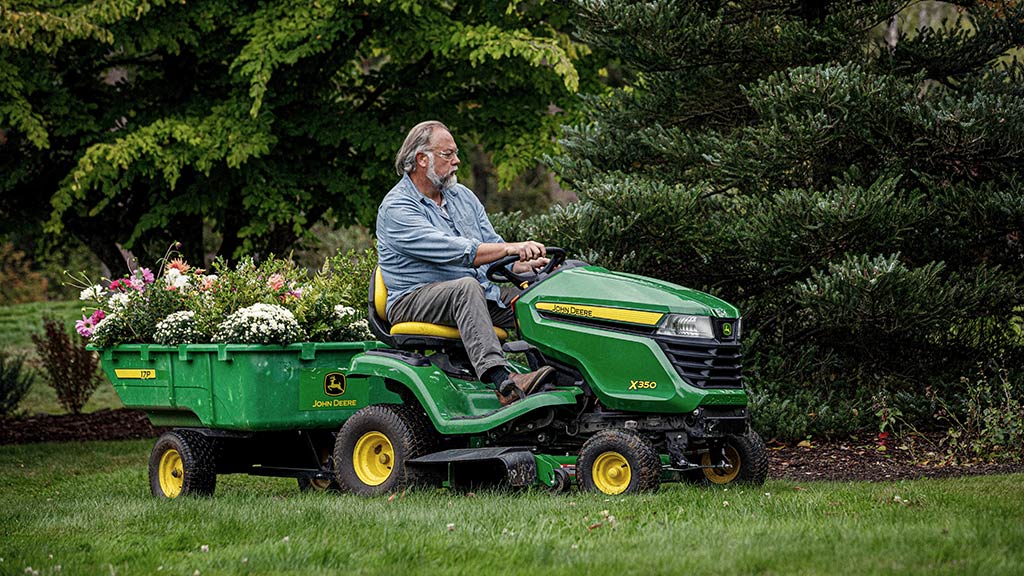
(461, 303)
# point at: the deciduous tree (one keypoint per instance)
(133, 123)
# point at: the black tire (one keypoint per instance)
(386, 436)
(749, 459)
(618, 462)
(183, 463)
(562, 482)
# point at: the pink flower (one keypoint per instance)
(275, 282)
(85, 326)
(147, 275)
(136, 283)
(97, 316)
(118, 285)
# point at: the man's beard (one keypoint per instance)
(442, 183)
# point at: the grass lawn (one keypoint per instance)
(86, 507)
(17, 324)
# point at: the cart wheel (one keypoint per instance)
(617, 462)
(182, 464)
(748, 457)
(374, 444)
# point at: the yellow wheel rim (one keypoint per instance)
(611, 473)
(373, 458)
(172, 474)
(723, 475)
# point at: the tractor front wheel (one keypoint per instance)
(182, 464)
(748, 459)
(374, 444)
(618, 462)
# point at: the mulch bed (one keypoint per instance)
(100, 425)
(858, 459)
(850, 459)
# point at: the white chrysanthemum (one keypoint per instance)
(94, 292)
(260, 324)
(343, 311)
(177, 328)
(119, 300)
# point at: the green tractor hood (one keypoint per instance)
(605, 325)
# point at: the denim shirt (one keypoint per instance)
(418, 244)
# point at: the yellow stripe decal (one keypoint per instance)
(602, 313)
(135, 374)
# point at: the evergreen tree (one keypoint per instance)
(852, 180)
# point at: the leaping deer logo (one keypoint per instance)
(334, 384)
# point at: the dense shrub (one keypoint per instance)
(68, 367)
(15, 381)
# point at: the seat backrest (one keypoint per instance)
(376, 313)
(379, 294)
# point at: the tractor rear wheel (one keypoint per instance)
(182, 464)
(373, 446)
(748, 458)
(618, 462)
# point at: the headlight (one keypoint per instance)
(686, 325)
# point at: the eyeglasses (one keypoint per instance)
(448, 154)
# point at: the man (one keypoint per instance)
(434, 241)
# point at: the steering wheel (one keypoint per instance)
(500, 272)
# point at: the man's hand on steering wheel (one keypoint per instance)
(528, 266)
(526, 251)
(524, 272)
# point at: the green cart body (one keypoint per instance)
(244, 387)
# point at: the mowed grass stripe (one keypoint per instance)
(88, 506)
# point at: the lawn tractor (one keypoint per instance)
(647, 388)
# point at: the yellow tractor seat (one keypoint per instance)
(410, 335)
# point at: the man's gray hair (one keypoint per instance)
(417, 141)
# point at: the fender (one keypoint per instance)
(455, 406)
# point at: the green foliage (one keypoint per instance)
(15, 381)
(133, 122)
(70, 369)
(343, 281)
(990, 423)
(856, 193)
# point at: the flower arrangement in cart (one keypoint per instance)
(271, 302)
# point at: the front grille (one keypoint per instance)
(705, 365)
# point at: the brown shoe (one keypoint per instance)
(523, 384)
